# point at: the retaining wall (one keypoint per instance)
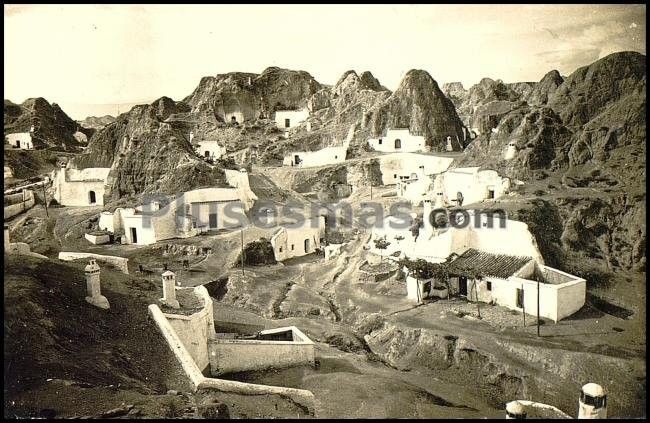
(119, 262)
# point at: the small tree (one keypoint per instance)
(381, 244)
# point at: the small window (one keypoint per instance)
(336, 157)
(395, 176)
(489, 286)
(280, 249)
(291, 247)
(379, 141)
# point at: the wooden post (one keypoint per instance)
(45, 200)
(523, 304)
(538, 307)
(242, 251)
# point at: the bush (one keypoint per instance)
(172, 408)
(258, 253)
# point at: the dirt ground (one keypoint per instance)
(380, 355)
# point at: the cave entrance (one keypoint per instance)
(398, 143)
(134, 236)
(490, 193)
(287, 123)
(92, 199)
(206, 153)
(307, 246)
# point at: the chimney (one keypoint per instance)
(593, 402)
(169, 290)
(515, 410)
(93, 286)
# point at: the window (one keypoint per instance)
(379, 141)
(336, 157)
(291, 247)
(596, 402)
(398, 143)
(489, 286)
(395, 176)
(280, 249)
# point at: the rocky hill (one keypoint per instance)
(52, 127)
(586, 133)
(96, 122)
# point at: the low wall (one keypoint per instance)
(236, 355)
(20, 206)
(119, 262)
(195, 330)
(299, 396)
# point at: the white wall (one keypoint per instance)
(235, 355)
(474, 184)
(392, 166)
(213, 149)
(409, 143)
(72, 187)
(295, 117)
(19, 205)
(195, 330)
(325, 156)
(283, 240)
(22, 140)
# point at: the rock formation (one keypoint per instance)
(52, 127)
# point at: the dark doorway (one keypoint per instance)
(307, 246)
(296, 159)
(398, 143)
(233, 120)
(520, 298)
(426, 289)
(91, 197)
(17, 143)
(287, 123)
(134, 236)
(462, 285)
(206, 154)
(490, 194)
(213, 220)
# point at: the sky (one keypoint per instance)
(90, 58)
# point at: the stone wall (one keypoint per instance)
(119, 262)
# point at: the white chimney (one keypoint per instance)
(169, 290)
(93, 287)
(593, 402)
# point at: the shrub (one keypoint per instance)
(258, 253)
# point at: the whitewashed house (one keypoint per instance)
(22, 140)
(468, 185)
(80, 187)
(286, 119)
(322, 157)
(398, 140)
(397, 167)
(209, 149)
(516, 282)
(291, 242)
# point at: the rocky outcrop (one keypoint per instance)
(95, 122)
(544, 88)
(52, 127)
(420, 105)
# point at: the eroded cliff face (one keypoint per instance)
(419, 104)
(52, 127)
(587, 132)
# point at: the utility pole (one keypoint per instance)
(371, 190)
(523, 304)
(45, 199)
(537, 306)
(242, 251)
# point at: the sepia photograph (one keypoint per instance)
(325, 211)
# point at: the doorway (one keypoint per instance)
(287, 123)
(17, 143)
(307, 246)
(206, 154)
(134, 236)
(296, 159)
(92, 199)
(212, 217)
(520, 298)
(398, 143)
(490, 194)
(462, 285)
